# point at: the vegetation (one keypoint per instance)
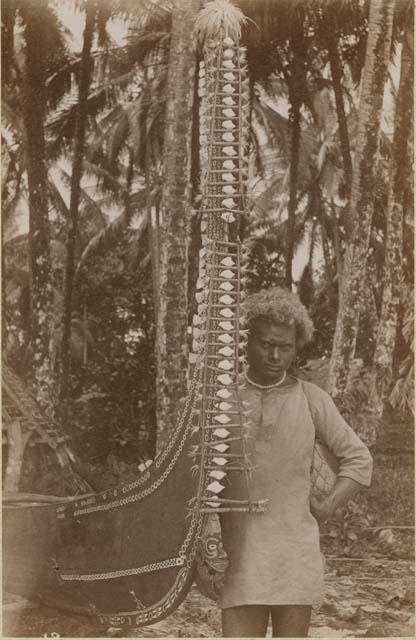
(101, 165)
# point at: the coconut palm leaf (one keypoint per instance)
(61, 123)
(105, 179)
(273, 196)
(91, 208)
(107, 237)
(147, 13)
(108, 93)
(272, 234)
(57, 201)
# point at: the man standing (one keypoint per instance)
(275, 566)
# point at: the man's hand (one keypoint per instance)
(344, 489)
(321, 510)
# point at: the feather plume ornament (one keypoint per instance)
(220, 17)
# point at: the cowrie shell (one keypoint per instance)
(228, 216)
(226, 365)
(225, 378)
(227, 313)
(215, 487)
(229, 203)
(226, 325)
(224, 393)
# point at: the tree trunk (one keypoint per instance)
(372, 314)
(8, 9)
(77, 170)
(336, 73)
(362, 193)
(17, 442)
(382, 371)
(296, 86)
(34, 14)
(336, 241)
(295, 118)
(172, 303)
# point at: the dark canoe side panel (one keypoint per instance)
(30, 566)
(122, 557)
(125, 555)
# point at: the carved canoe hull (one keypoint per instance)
(126, 555)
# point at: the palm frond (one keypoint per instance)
(56, 200)
(275, 194)
(10, 117)
(91, 214)
(106, 238)
(148, 13)
(273, 237)
(105, 177)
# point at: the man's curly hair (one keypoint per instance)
(281, 307)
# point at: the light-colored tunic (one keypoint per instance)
(274, 558)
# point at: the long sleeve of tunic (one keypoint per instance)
(274, 558)
(354, 458)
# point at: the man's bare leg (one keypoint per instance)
(291, 621)
(248, 621)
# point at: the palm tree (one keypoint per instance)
(8, 10)
(402, 161)
(362, 193)
(35, 16)
(77, 170)
(174, 230)
(341, 30)
(293, 43)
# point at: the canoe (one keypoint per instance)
(127, 555)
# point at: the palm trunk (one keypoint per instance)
(297, 95)
(195, 239)
(296, 86)
(362, 193)
(8, 9)
(77, 170)
(336, 72)
(152, 228)
(372, 315)
(382, 372)
(328, 262)
(295, 119)
(3, 292)
(34, 109)
(172, 303)
(336, 241)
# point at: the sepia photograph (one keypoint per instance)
(208, 321)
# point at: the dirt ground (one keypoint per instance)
(373, 597)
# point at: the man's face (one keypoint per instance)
(271, 350)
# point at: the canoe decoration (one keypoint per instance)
(128, 554)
